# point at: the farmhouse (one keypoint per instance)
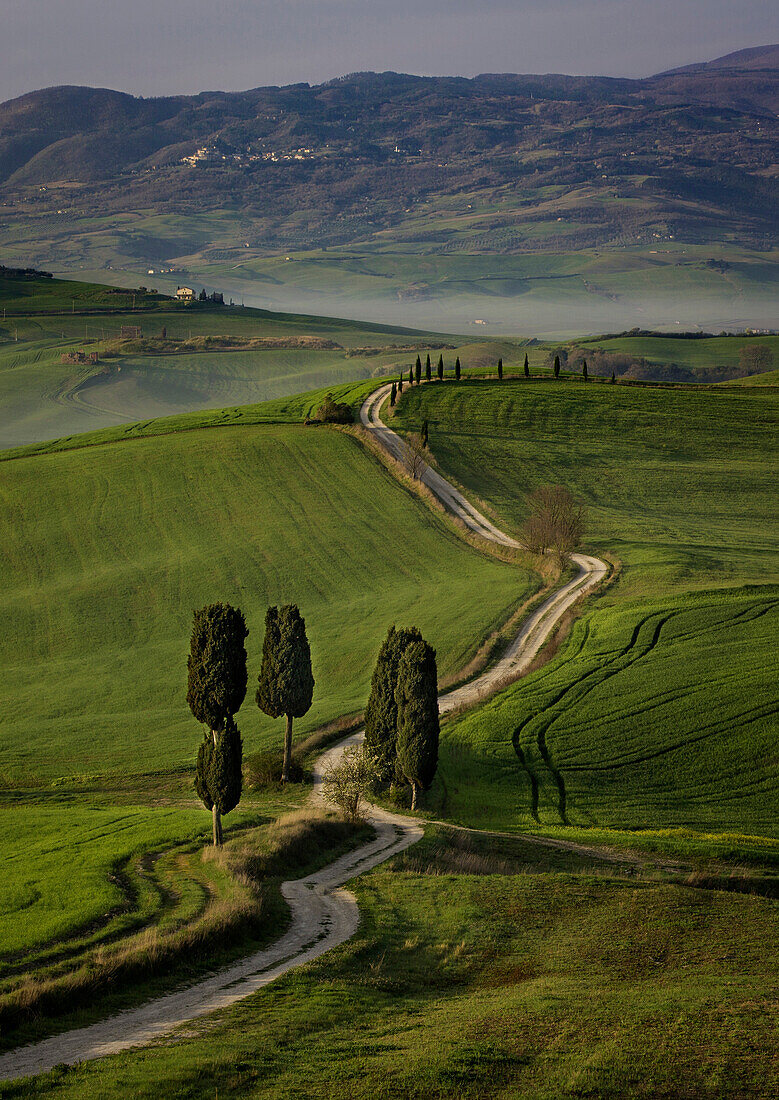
(185, 294)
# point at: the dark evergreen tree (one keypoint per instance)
(400, 384)
(411, 377)
(457, 368)
(613, 378)
(393, 393)
(500, 368)
(440, 368)
(216, 687)
(425, 432)
(202, 296)
(428, 368)
(286, 682)
(584, 370)
(527, 366)
(416, 696)
(418, 371)
(381, 712)
(557, 366)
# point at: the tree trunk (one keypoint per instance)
(413, 796)
(287, 750)
(216, 814)
(217, 828)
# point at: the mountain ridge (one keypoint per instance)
(689, 154)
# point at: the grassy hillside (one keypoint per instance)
(660, 712)
(497, 984)
(679, 483)
(717, 351)
(210, 356)
(658, 717)
(101, 577)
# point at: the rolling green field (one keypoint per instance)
(43, 398)
(679, 483)
(499, 985)
(718, 351)
(126, 539)
(60, 863)
(657, 717)
(661, 710)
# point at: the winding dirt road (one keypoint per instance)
(323, 914)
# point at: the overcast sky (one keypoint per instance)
(159, 47)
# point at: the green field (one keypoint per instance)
(522, 986)
(657, 717)
(679, 483)
(126, 539)
(717, 351)
(43, 398)
(661, 710)
(60, 863)
(417, 275)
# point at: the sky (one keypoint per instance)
(163, 47)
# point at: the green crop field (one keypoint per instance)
(502, 985)
(59, 867)
(43, 398)
(717, 351)
(661, 717)
(125, 539)
(661, 710)
(679, 483)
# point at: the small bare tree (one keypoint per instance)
(414, 456)
(556, 522)
(347, 781)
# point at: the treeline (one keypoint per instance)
(23, 273)
(753, 359)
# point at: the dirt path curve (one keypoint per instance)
(323, 914)
(536, 628)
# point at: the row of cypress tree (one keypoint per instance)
(401, 717)
(216, 687)
(415, 373)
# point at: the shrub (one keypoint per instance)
(334, 412)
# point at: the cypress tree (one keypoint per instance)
(393, 393)
(557, 366)
(500, 368)
(527, 366)
(584, 370)
(613, 378)
(216, 687)
(424, 433)
(400, 384)
(440, 368)
(410, 376)
(428, 368)
(416, 696)
(381, 712)
(457, 369)
(286, 682)
(418, 371)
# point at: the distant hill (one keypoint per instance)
(756, 57)
(562, 162)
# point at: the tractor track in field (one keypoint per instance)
(324, 915)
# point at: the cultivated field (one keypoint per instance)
(661, 710)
